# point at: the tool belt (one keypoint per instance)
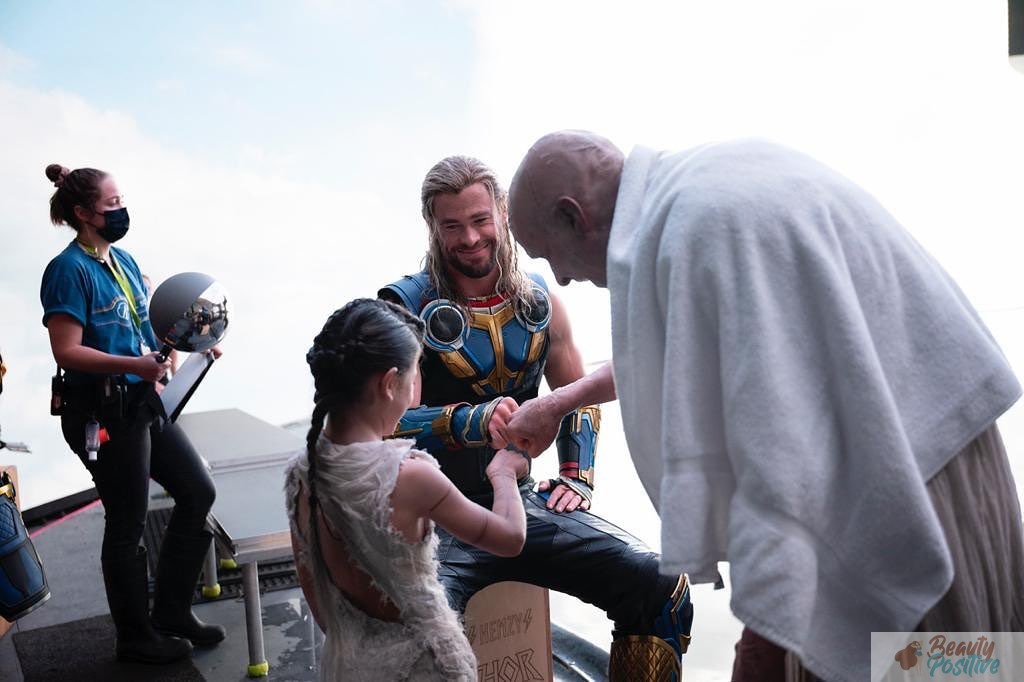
(106, 398)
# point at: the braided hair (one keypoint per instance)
(80, 187)
(363, 338)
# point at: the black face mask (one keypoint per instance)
(116, 224)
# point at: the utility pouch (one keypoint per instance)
(112, 401)
(57, 393)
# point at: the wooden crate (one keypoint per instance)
(509, 627)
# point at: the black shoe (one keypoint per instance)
(192, 629)
(177, 572)
(153, 649)
(128, 597)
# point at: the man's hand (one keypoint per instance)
(497, 423)
(564, 498)
(534, 426)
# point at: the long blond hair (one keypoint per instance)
(451, 176)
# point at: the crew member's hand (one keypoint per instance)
(534, 426)
(564, 498)
(216, 352)
(150, 368)
(498, 420)
(508, 462)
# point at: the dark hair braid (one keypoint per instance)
(359, 340)
(319, 414)
(80, 187)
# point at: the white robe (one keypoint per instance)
(792, 367)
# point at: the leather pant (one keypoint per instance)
(577, 553)
(138, 449)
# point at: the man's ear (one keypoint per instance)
(388, 383)
(571, 213)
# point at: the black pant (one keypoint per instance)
(138, 450)
(578, 553)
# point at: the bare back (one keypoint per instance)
(350, 579)
(376, 588)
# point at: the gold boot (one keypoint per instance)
(646, 658)
(650, 658)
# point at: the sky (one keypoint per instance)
(279, 147)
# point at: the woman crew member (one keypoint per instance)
(95, 308)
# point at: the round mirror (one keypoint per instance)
(189, 312)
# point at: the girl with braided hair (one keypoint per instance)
(362, 507)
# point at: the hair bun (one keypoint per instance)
(56, 173)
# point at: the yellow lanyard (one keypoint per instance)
(121, 280)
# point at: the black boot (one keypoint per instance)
(128, 596)
(181, 560)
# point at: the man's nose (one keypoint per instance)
(470, 236)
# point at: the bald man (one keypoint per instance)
(805, 392)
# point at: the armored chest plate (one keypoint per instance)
(494, 345)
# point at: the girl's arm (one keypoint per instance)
(66, 344)
(423, 491)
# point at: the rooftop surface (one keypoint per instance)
(69, 550)
(69, 544)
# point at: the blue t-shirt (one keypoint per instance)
(79, 285)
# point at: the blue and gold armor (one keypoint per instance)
(495, 346)
(474, 355)
(576, 444)
(656, 656)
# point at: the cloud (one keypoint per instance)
(170, 85)
(930, 127)
(876, 89)
(289, 252)
(12, 63)
(246, 60)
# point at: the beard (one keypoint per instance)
(475, 270)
